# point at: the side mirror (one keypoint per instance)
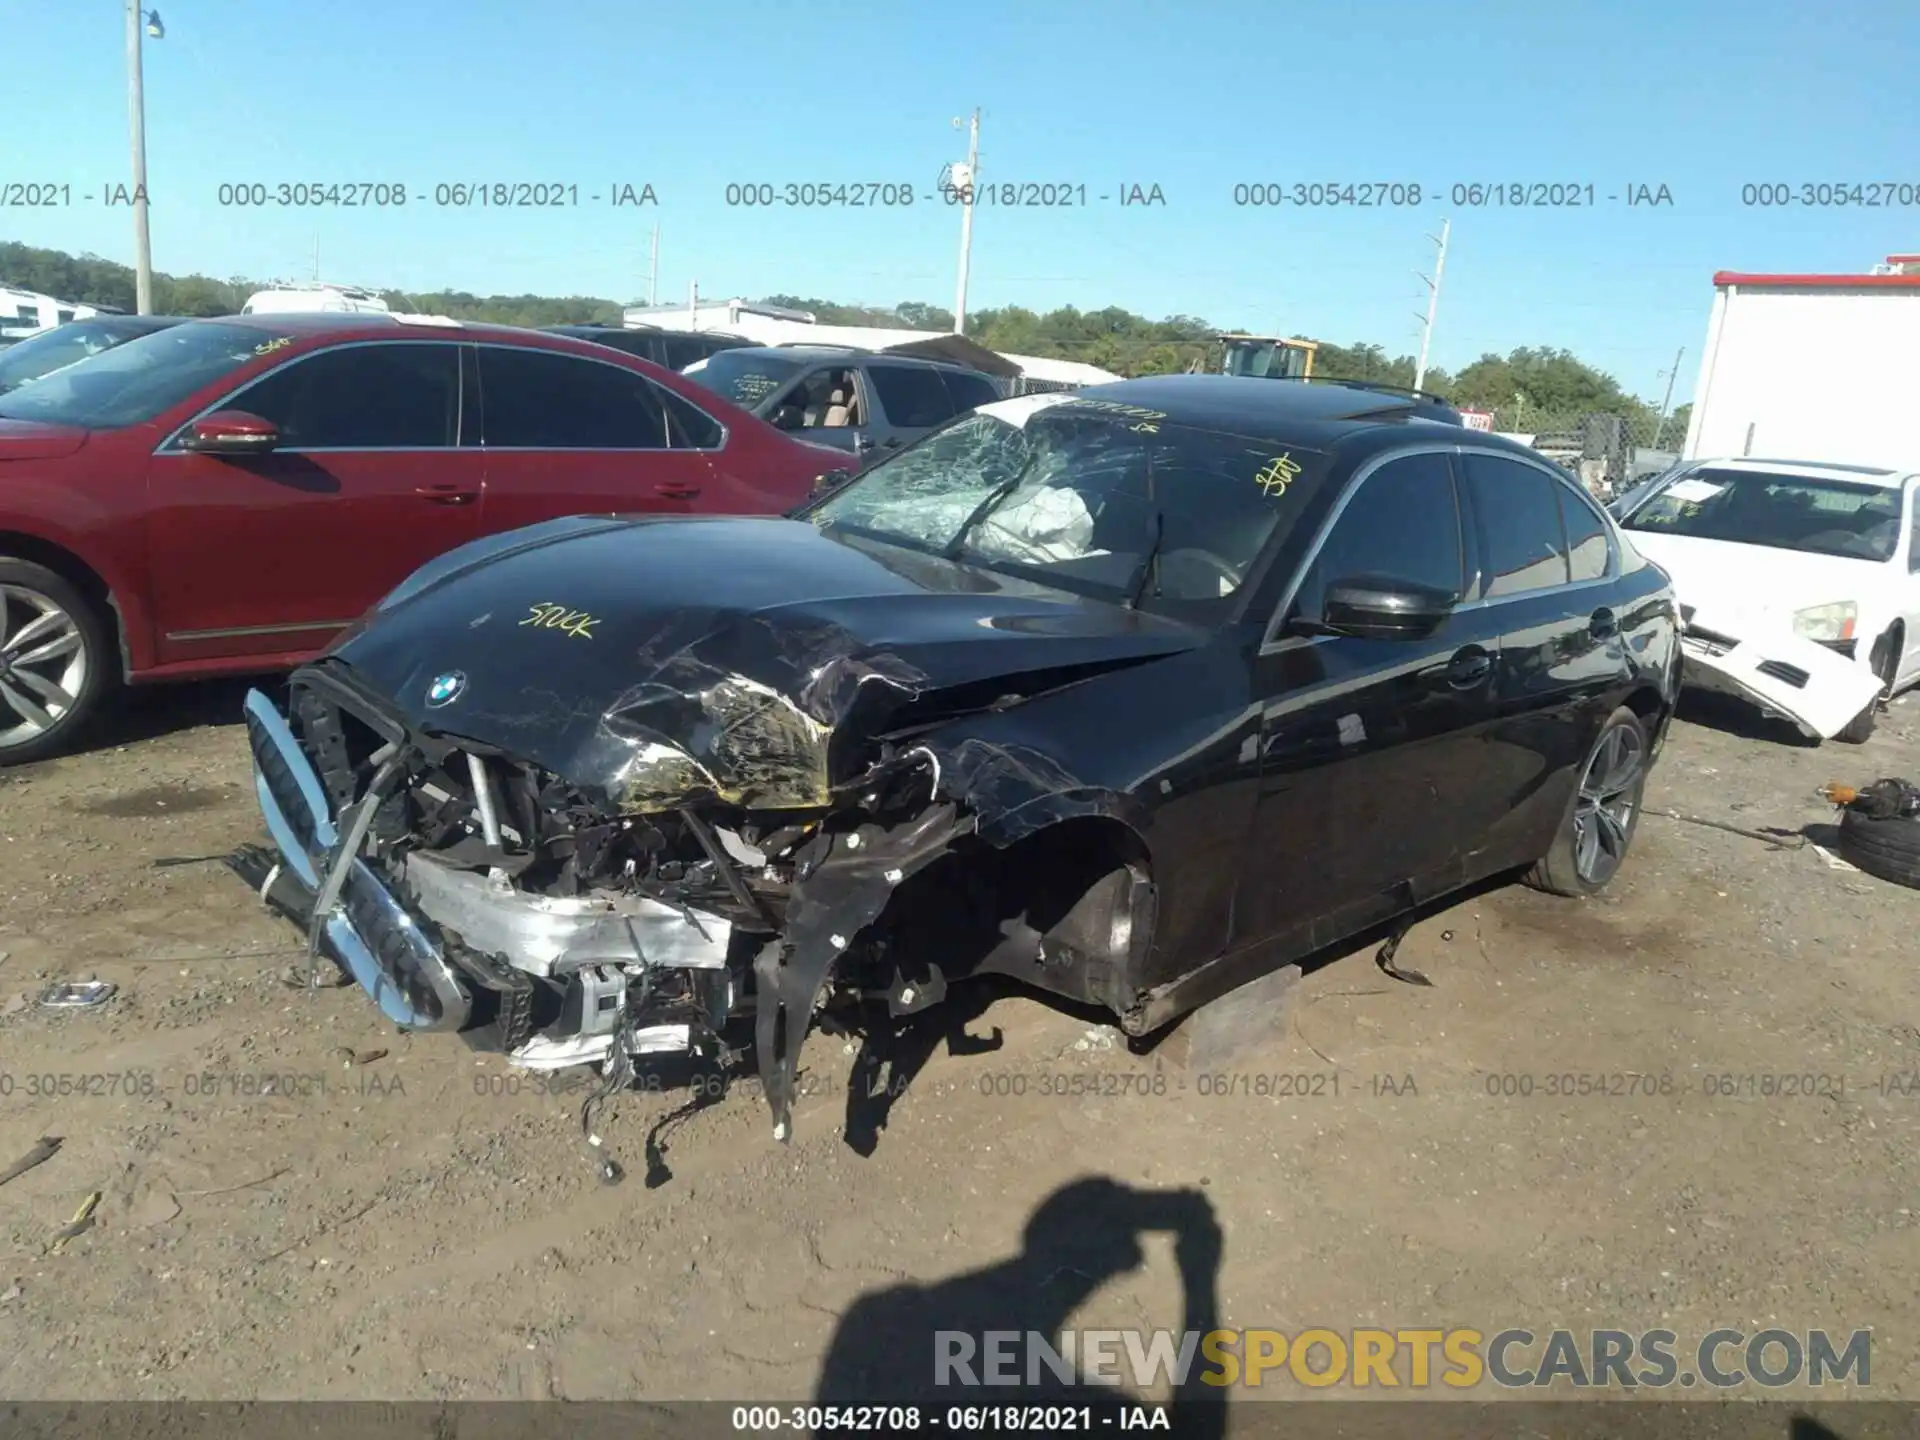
(862, 443)
(231, 432)
(1378, 607)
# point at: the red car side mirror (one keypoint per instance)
(231, 432)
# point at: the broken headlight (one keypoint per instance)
(1826, 622)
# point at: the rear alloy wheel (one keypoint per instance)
(1593, 839)
(53, 668)
(1860, 729)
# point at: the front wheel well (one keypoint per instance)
(1894, 637)
(70, 567)
(1069, 908)
(1646, 702)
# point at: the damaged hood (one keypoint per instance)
(653, 660)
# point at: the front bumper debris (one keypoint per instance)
(1809, 684)
(426, 941)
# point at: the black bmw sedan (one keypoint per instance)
(1133, 694)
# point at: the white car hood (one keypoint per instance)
(1755, 579)
(1740, 636)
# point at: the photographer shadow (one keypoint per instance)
(889, 1345)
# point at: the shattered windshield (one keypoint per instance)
(1104, 499)
(1785, 512)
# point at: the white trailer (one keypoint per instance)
(313, 297)
(1818, 368)
(25, 313)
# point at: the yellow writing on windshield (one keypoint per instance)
(1276, 475)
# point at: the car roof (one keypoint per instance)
(807, 350)
(377, 325)
(597, 327)
(1810, 470)
(151, 322)
(1316, 413)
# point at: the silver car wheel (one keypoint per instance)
(1609, 795)
(43, 664)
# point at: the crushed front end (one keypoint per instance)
(650, 912)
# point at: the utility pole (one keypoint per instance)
(653, 270)
(968, 189)
(1433, 301)
(1661, 423)
(137, 119)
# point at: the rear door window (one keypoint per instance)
(679, 351)
(688, 426)
(1522, 545)
(910, 395)
(1588, 552)
(968, 390)
(541, 400)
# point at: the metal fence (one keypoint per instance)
(1609, 451)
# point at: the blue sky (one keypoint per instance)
(1195, 96)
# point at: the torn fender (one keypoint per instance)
(843, 881)
(1817, 689)
(1017, 790)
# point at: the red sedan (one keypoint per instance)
(227, 495)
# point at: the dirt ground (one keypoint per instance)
(277, 1221)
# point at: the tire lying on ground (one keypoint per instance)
(1887, 847)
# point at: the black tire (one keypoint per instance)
(102, 672)
(1888, 849)
(1571, 865)
(1860, 729)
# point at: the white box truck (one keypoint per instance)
(1818, 368)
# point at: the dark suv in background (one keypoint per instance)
(675, 349)
(855, 400)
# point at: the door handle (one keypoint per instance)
(1469, 667)
(446, 494)
(1604, 626)
(677, 490)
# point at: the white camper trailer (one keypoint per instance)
(25, 313)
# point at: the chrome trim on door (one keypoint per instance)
(241, 631)
(1273, 644)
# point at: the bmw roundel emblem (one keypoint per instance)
(446, 689)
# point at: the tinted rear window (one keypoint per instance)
(1522, 546)
(969, 389)
(911, 396)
